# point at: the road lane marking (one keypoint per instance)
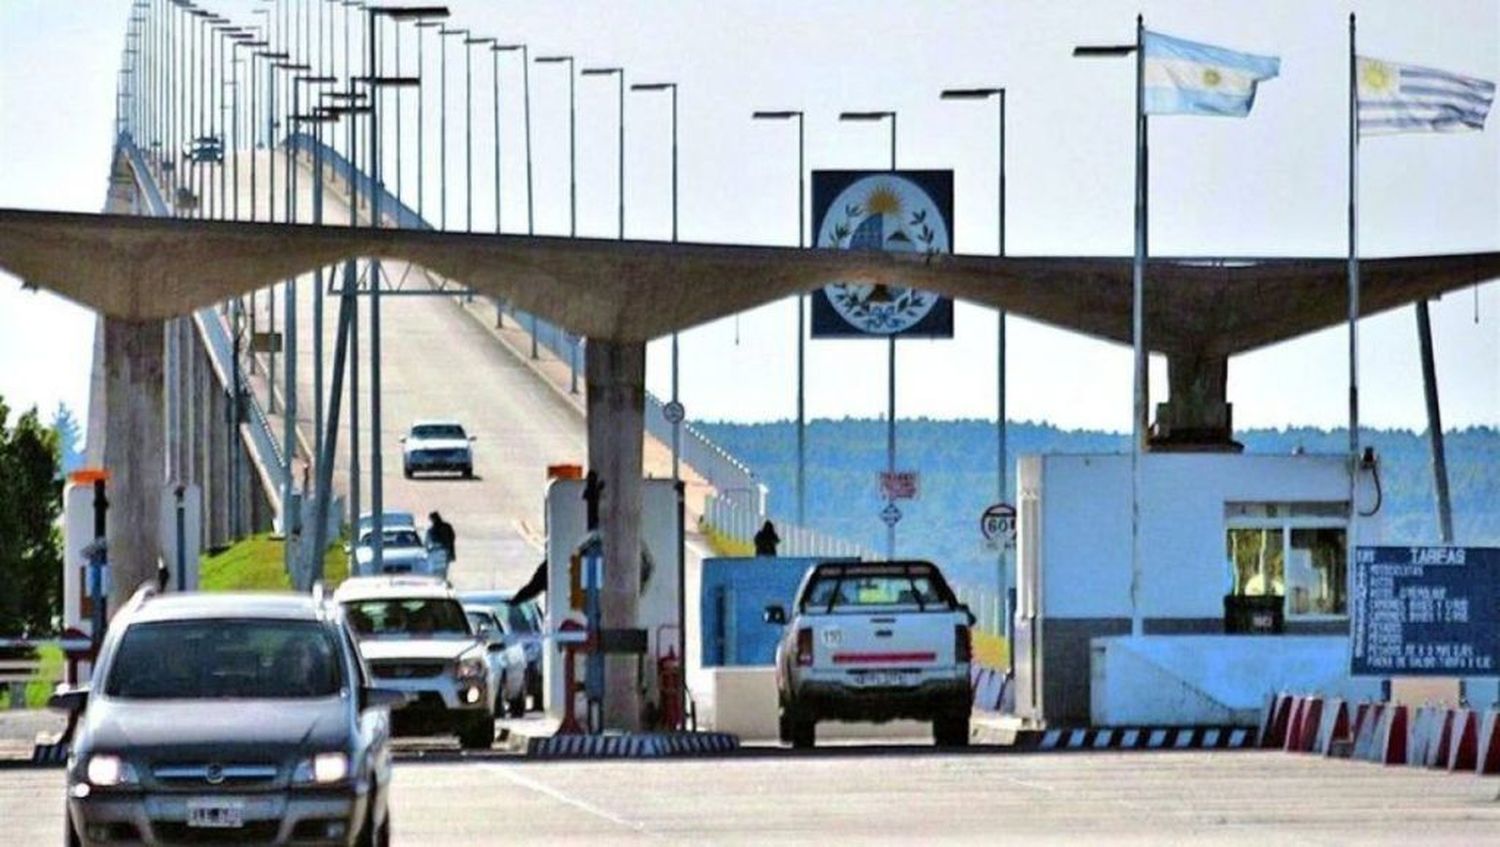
(556, 794)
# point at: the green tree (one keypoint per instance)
(30, 542)
(69, 438)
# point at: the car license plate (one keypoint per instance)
(885, 679)
(216, 813)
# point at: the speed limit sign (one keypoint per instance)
(998, 526)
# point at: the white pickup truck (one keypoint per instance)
(873, 641)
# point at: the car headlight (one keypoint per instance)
(471, 668)
(107, 771)
(322, 769)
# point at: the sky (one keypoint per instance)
(1271, 184)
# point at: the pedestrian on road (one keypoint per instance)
(440, 534)
(766, 540)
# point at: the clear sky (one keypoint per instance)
(1271, 184)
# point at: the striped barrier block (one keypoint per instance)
(1312, 719)
(1488, 762)
(1371, 716)
(1442, 748)
(1422, 739)
(635, 746)
(1390, 747)
(1143, 738)
(1333, 728)
(1294, 724)
(1463, 742)
(1273, 731)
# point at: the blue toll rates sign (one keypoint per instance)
(1425, 611)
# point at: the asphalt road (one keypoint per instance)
(904, 795)
(439, 362)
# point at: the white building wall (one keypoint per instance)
(1085, 546)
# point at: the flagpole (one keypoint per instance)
(1138, 418)
(1353, 278)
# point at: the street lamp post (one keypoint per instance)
(469, 132)
(422, 27)
(619, 74)
(675, 417)
(1138, 276)
(890, 422)
(443, 119)
(572, 195)
(801, 306)
(1002, 475)
(526, 119)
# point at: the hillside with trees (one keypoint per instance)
(956, 460)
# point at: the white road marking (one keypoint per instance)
(509, 772)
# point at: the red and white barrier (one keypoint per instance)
(1463, 740)
(1333, 728)
(1488, 762)
(1273, 729)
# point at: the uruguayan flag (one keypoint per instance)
(1187, 78)
(1406, 98)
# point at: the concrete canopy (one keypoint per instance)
(137, 268)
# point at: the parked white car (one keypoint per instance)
(509, 661)
(873, 641)
(437, 446)
(415, 637)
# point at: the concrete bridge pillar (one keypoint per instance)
(616, 377)
(213, 458)
(1197, 415)
(135, 450)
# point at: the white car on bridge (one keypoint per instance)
(403, 552)
(874, 641)
(437, 446)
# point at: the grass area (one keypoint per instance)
(256, 564)
(723, 545)
(48, 674)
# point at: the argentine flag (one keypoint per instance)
(1407, 98)
(1188, 78)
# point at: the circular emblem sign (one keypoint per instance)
(883, 212)
(674, 412)
(998, 525)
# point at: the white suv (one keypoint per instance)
(415, 638)
(874, 641)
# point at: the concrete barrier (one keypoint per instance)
(1422, 738)
(1312, 718)
(1333, 728)
(1294, 724)
(1390, 747)
(1369, 722)
(1442, 746)
(1463, 742)
(1488, 763)
(1273, 731)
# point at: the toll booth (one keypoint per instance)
(1224, 538)
(566, 526)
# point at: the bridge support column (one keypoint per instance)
(1197, 415)
(616, 378)
(135, 450)
(216, 442)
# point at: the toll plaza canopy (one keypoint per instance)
(141, 269)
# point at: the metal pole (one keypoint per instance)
(801, 331)
(1138, 418)
(443, 127)
(289, 411)
(572, 173)
(329, 441)
(526, 114)
(468, 137)
(377, 468)
(1003, 460)
(317, 211)
(421, 101)
(890, 419)
(1353, 279)
(495, 88)
(1434, 424)
(396, 28)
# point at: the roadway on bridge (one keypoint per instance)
(439, 362)
(902, 795)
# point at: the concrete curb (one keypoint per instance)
(633, 746)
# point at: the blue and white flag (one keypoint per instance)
(1188, 78)
(1407, 98)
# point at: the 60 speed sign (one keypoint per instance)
(998, 526)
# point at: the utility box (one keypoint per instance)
(1273, 532)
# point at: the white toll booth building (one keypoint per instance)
(1243, 585)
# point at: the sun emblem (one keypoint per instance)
(1377, 76)
(1212, 77)
(890, 213)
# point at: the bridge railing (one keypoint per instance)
(218, 342)
(732, 525)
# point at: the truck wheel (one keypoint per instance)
(803, 729)
(478, 734)
(951, 730)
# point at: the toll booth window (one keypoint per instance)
(1316, 573)
(1258, 559)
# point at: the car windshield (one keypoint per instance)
(438, 431)
(480, 621)
(517, 620)
(393, 538)
(410, 617)
(214, 659)
(856, 590)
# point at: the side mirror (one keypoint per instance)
(968, 613)
(496, 646)
(382, 698)
(774, 614)
(70, 700)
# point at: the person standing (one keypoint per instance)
(440, 534)
(766, 540)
